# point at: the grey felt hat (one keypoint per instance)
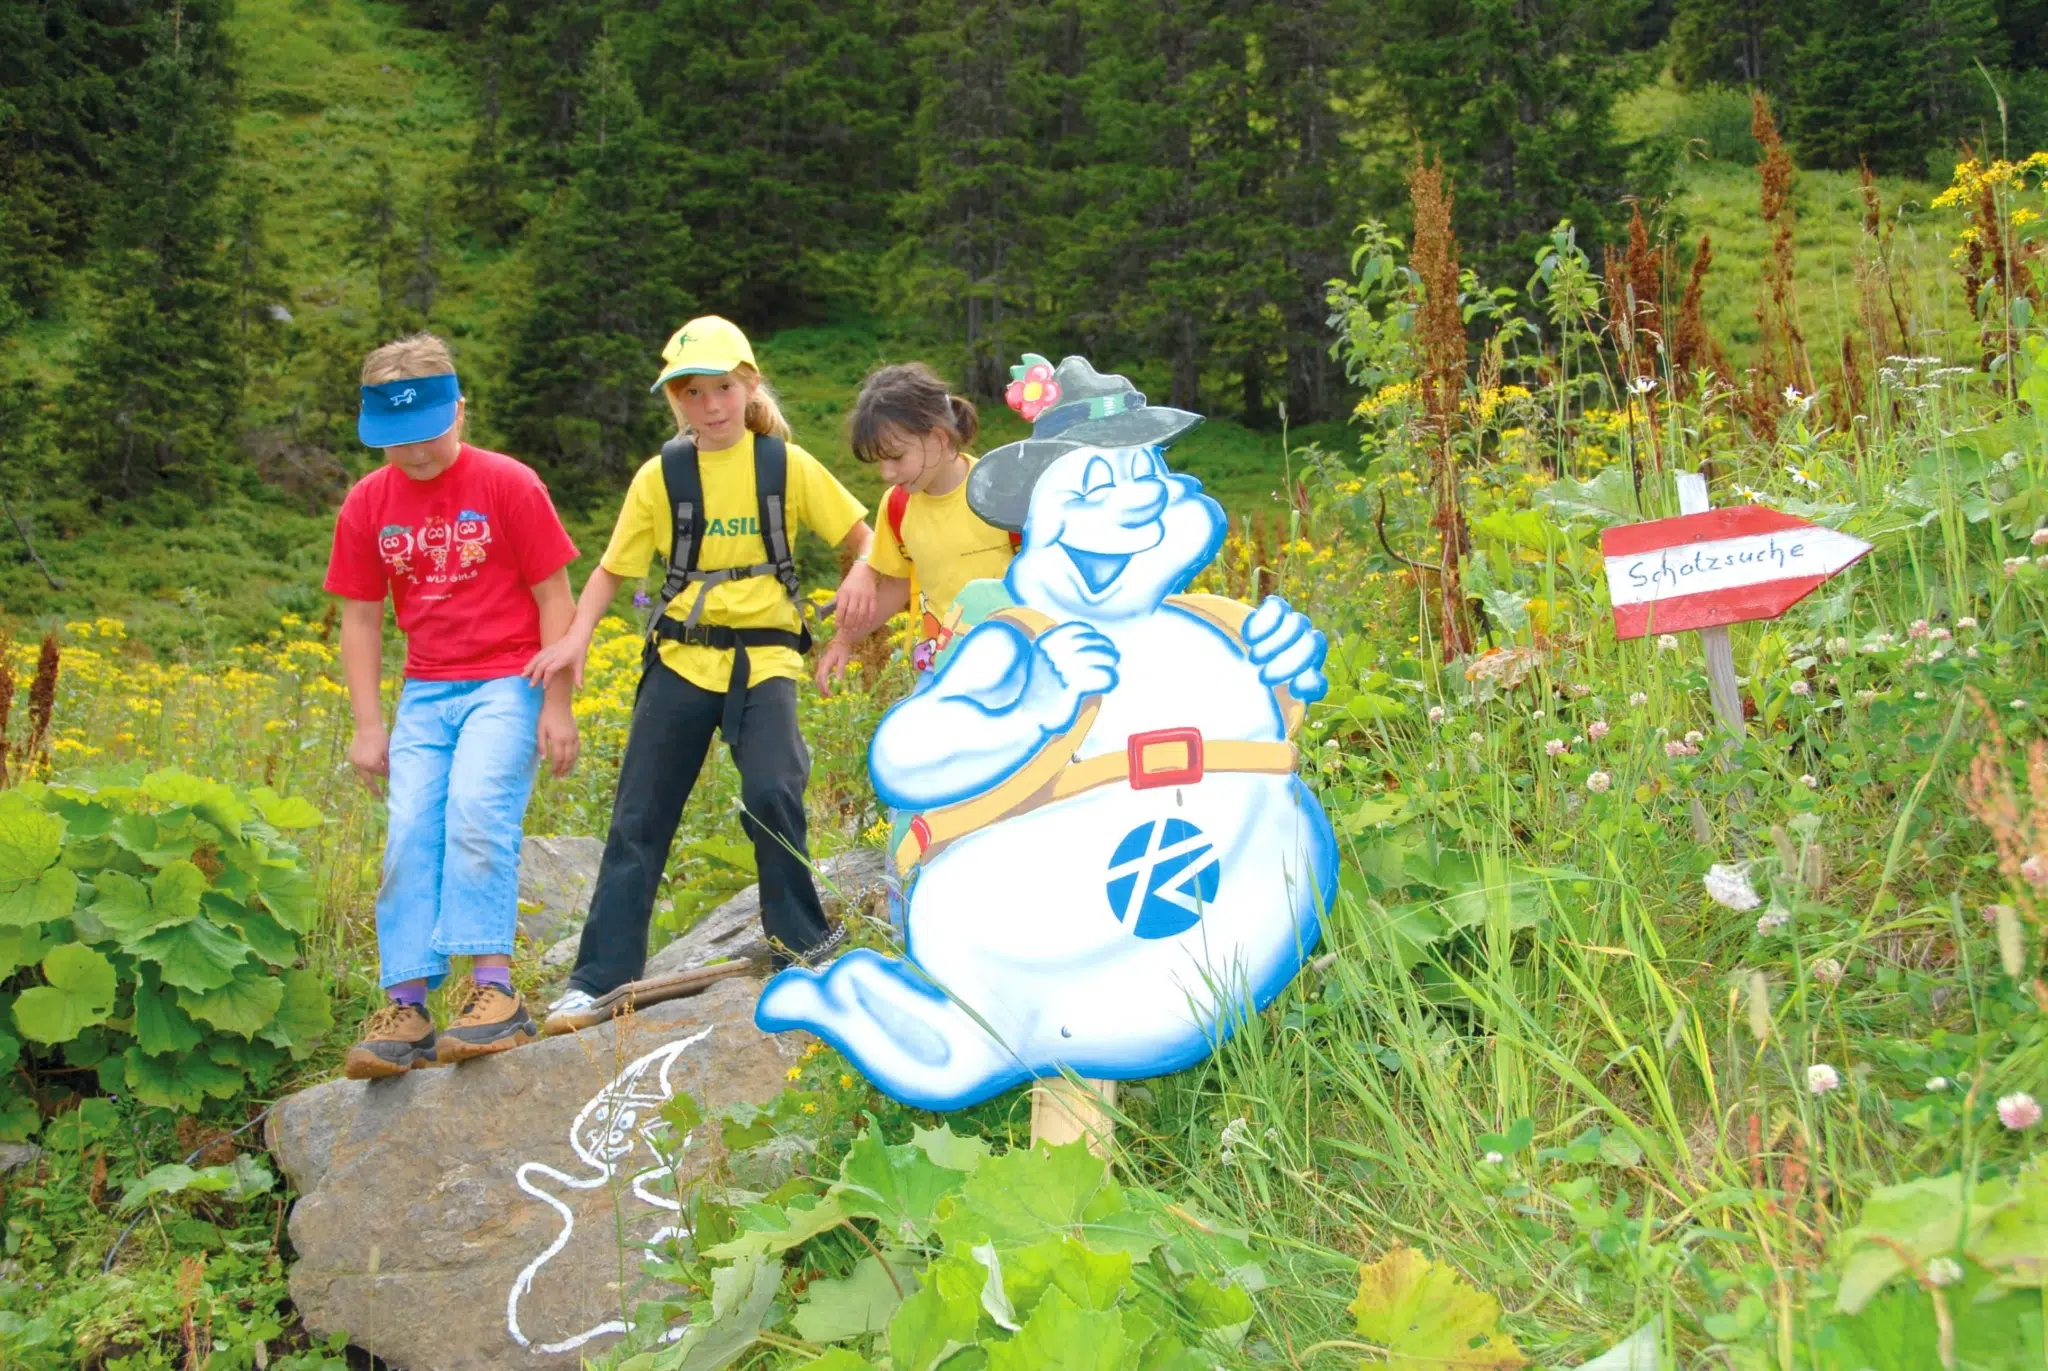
(1093, 410)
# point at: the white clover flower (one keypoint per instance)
(1967, 621)
(1638, 699)
(1493, 1159)
(1694, 737)
(1667, 642)
(2034, 871)
(1535, 714)
(1827, 971)
(1436, 714)
(1919, 629)
(1864, 697)
(1940, 634)
(1838, 647)
(1675, 748)
(1810, 781)
(1821, 1078)
(1476, 738)
(1771, 922)
(1599, 782)
(1801, 688)
(1554, 747)
(2039, 538)
(1943, 1271)
(1729, 887)
(2019, 704)
(1598, 729)
(1936, 1084)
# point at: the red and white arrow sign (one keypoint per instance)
(1721, 567)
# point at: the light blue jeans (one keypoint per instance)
(463, 759)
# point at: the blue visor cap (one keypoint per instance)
(414, 410)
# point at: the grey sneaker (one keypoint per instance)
(830, 946)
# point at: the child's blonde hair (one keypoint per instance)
(764, 411)
(421, 354)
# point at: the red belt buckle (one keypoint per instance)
(1142, 779)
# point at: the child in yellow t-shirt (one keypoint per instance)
(728, 662)
(909, 423)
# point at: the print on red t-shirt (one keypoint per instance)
(459, 556)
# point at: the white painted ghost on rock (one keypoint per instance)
(1112, 857)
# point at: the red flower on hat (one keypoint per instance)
(1033, 391)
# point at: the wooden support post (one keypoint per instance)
(1727, 696)
(1061, 1112)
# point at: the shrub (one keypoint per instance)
(150, 932)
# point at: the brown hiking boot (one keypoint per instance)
(490, 1020)
(395, 1039)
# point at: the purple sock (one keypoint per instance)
(413, 993)
(499, 976)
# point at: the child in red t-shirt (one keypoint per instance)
(476, 561)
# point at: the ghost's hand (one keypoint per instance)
(1068, 663)
(1287, 650)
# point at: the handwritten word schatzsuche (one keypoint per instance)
(1674, 565)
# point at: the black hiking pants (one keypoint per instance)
(671, 731)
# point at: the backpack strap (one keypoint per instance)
(771, 488)
(896, 505)
(683, 485)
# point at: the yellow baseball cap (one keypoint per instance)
(709, 346)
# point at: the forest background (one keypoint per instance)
(211, 211)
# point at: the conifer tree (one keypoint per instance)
(1888, 81)
(1518, 96)
(605, 294)
(1730, 42)
(158, 388)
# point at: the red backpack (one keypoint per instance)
(899, 502)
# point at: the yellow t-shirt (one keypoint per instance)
(948, 544)
(732, 537)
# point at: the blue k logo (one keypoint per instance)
(1161, 876)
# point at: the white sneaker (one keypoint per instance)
(571, 1012)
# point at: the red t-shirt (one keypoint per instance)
(460, 555)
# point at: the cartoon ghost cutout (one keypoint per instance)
(1111, 855)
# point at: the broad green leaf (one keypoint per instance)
(284, 812)
(2015, 1242)
(1925, 1217)
(1429, 1318)
(49, 896)
(266, 937)
(941, 1316)
(835, 1310)
(1214, 1306)
(176, 890)
(19, 1121)
(80, 994)
(147, 839)
(10, 1051)
(304, 1016)
(83, 817)
(839, 1359)
(1024, 1195)
(243, 1005)
(797, 1225)
(741, 1295)
(899, 1186)
(124, 908)
(288, 893)
(242, 1179)
(160, 1025)
(1092, 1280)
(180, 1081)
(214, 801)
(950, 1149)
(31, 838)
(1062, 1336)
(21, 947)
(199, 955)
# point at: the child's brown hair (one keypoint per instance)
(910, 398)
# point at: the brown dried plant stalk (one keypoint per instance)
(1440, 331)
(1692, 347)
(1781, 348)
(2018, 824)
(42, 699)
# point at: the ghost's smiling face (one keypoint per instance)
(1112, 533)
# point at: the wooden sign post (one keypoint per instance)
(1060, 1113)
(1709, 568)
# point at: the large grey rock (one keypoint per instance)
(14, 1156)
(853, 884)
(486, 1215)
(557, 874)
